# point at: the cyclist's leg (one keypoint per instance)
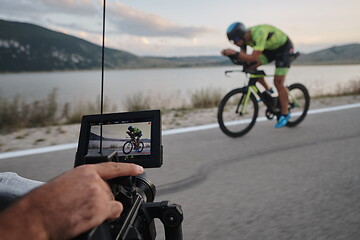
(282, 66)
(137, 142)
(279, 82)
(263, 83)
(263, 60)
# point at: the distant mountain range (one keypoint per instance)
(28, 47)
(345, 54)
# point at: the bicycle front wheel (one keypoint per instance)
(127, 148)
(234, 117)
(299, 102)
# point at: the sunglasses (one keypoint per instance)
(235, 39)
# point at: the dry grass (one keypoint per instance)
(352, 88)
(206, 98)
(17, 113)
(137, 102)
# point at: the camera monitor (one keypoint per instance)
(135, 137)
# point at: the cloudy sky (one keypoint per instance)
(190, 27)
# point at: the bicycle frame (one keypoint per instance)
(250, 89)
(253, 89)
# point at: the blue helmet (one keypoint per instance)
(236, 31)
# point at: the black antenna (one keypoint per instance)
(102, 80)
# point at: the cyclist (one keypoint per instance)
(269, 44)
(135, 134)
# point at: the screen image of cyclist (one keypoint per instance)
(127, 138)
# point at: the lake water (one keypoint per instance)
(166, 87)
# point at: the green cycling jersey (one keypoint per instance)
(266, 37)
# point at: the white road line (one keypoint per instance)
(27, 152)
(259, 119)
(68, 146)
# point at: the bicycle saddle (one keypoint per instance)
(293, 56)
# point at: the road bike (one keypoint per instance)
(238, 110)
(131, 144)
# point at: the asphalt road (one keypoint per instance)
(299, 183)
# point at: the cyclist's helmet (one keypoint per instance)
(131, 129)
(236, 31)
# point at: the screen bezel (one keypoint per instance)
(153, 160)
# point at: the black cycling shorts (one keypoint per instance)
(281, 55)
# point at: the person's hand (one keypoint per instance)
(69, 205)
(228, 52)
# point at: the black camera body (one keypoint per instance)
(132, 137)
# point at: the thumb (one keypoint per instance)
(115, 209)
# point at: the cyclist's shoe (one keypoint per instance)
(283, 121)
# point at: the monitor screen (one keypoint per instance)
(135, 137)
(126, 137)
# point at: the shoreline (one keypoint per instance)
(63, 134)
(231, 65)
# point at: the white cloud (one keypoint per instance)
(176, 28)
(140, 23)
(145, 40)
(81, 6)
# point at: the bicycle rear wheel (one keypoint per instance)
(299, 102)
(231, 121)
(141, 146)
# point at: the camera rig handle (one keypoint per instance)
(170, 215)
(139, 225)
(137, 194)
(136, 221)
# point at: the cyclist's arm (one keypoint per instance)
(254, 57)
(258, 36)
